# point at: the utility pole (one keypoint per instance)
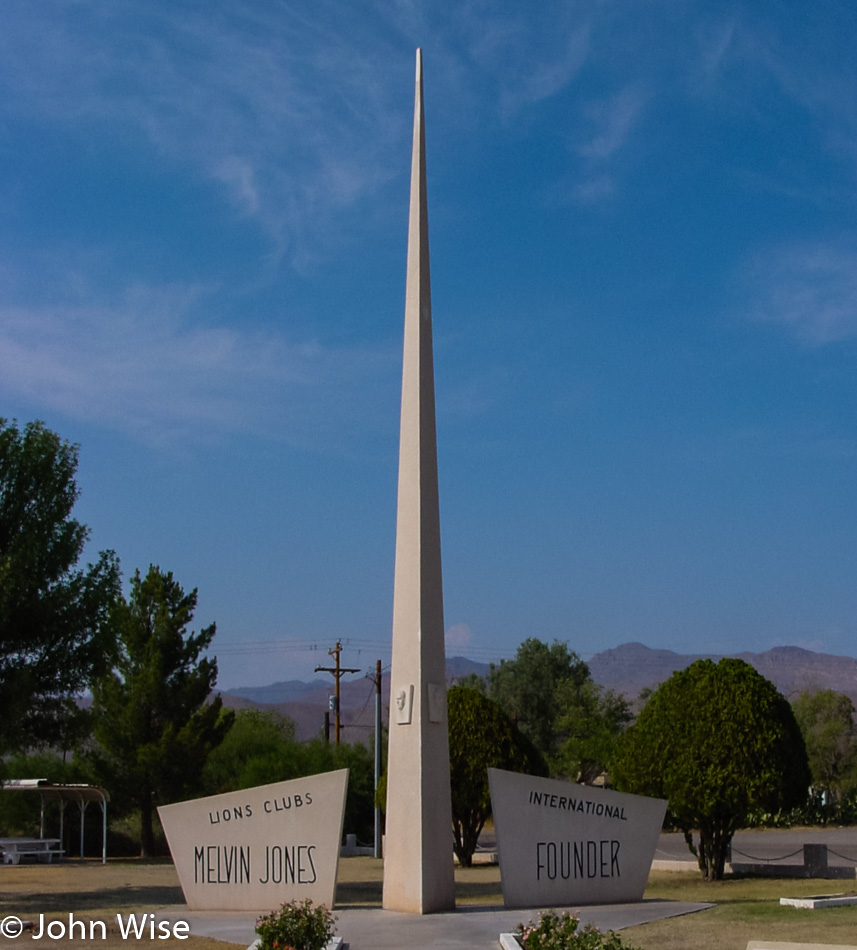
(337, 672)
(377, 755)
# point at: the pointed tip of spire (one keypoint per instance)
(419, 63)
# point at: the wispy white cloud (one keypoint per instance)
(145, 364)
(755, 63)
(525, 54)
(458, 637)
(611, 125)
(827, 92)
(238, 175)
(714, 46)
(717, 45)
(594, 189)
(613, 120)
(809, 289)
(293, 124)
(296, 112)
(546, 77)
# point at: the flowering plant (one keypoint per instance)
(297, 925)
(559, 932)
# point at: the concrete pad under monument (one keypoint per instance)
(563, 844)
(259, 847)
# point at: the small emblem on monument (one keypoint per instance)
(436, 696)
(404, 705)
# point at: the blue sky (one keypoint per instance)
(644, 275)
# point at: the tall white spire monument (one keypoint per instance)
(418, 861)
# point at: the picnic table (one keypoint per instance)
(43, 849)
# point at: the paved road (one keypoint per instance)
(779, 846)
(783, 846)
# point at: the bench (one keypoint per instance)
(42, 849)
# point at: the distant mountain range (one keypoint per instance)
(306, 702)
(632, 667)
(627, 669)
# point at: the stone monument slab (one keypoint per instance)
(561, 844)
(260, 847)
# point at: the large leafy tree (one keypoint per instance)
(54, 630)
(527, 688)
(259, 740)
(589, 722)
(153, 720)
(481, 736)
(261, 748)
(826, 719)
(718, 741)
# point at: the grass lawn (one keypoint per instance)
(92, 892)
(747, 908)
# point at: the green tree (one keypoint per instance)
(261, 748)
(54, 632)
(589, 722)
(152, 719)
(526, 688)
(20, 812)
(323, 756)
(255, 735)
(481, 736)
(718, 741)
(313, 756)
(472, 681)
(826, 720)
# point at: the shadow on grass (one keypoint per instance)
(370, 893)
(359, 894)
(479, 892)
(154, 895)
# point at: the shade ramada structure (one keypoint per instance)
(84, 795)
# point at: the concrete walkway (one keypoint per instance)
(470, 928)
